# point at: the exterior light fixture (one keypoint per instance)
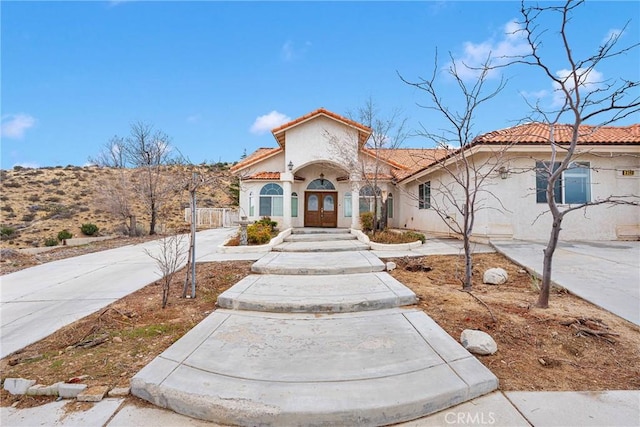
(290, 165)
(321, 178)
(504, 172)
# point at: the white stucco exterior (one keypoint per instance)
(324, 147)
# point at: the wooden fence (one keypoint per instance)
(213, 217)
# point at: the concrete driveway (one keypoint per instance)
(38, 301)
(606, 274)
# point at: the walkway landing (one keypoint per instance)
(318, 338)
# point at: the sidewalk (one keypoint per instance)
(38, 301)
(606, 274)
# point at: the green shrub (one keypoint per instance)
(266, 221)
(258, 234)
(7, 232)
(89, 229)
(414, 235)
(366, 221)
(64, 235)
(51, 241)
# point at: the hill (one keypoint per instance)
(36, 204)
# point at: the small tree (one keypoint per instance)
(149, 150)
(387, 132)
(170, 255)
(579, 99)
(111, 155)
(465, 185)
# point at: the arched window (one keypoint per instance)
(294, 204)
(271, 200)
(390, 206)
(347, 204)
(321, 184)
(367, 196)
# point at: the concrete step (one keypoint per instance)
(319, 237)
(316, 230)
(318, 263)
(371, 368)
(322, 246)
(317, 294)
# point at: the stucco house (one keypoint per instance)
(323, 174)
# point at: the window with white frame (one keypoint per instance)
(271, 200)
(573, 186)
(252, 204)
(294, 204)
(347, 205)
(390, 206)
(367, 199)
(424, 195)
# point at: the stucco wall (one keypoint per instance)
(320, 139)
(520, 217)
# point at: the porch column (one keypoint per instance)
(355, 203)
(286, 178)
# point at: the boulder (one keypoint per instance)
(18, 385)
(495, 276)
(478, 342)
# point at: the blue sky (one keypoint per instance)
(216, 76)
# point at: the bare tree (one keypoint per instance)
(170, 256)
(581, 99)
(111, 155)
(387, 132)
(465, 183)
(150, 152)
(116, 196)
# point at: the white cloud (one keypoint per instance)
(28, 165)
(289, 52)
(194, 118)
(510, 44)
(269, 121)
(612, 35)
(15, 125)
(589, 80)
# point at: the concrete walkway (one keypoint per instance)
(38, 301)
(611, 408)
(312, 351)
(606, 274)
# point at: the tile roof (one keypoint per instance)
(538, 133)
(255, 157)
(270, 176)
(363, 131)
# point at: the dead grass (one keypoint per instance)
(39, 203)
(537, 349)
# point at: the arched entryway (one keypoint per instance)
(321, 204)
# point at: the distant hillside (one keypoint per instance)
(36, 204)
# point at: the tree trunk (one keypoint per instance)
(468, 263)
(133, 232)
(543, 298)
(152, 224)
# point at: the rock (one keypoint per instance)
(70, 391)
(391, 266)
(44, 390)
(495, 276)
(478, 342)
(17, 385)
(93, 394)
(119, 392)
(117, 340)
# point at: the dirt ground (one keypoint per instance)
(571, 346)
